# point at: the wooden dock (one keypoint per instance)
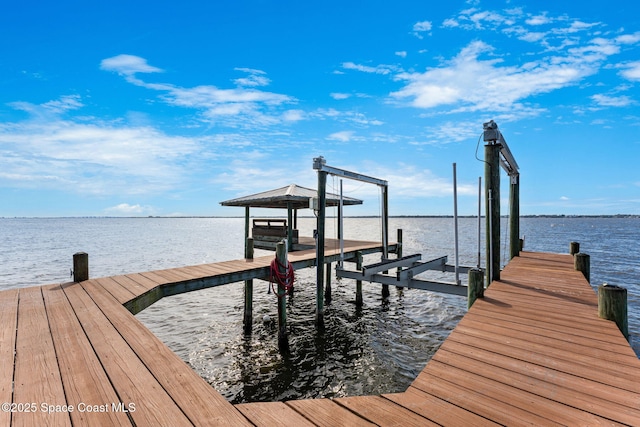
(532, 352)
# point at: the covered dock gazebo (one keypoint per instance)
(291, 198)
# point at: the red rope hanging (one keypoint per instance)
(285, 279)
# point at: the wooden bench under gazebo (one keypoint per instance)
(267, 232)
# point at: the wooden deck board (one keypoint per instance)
(516, 404)
(131, 379)
(441, 410)
(197, 399)
(273, 414)
(8, 327)
(325, 412)
(85, 382)
(37, 377)
(614, 400)
(383, 412)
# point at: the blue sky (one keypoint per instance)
(168, 108)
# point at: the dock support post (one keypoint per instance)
(492, 205)
(322, 202)
(385, 233)
(359, 282)
(290, 226)
(612, 305)
(327, 289)
(283, 262)
(399, 250)
(475, 289)
(574, 248)
(80, 266)
(582, 263)
(514, 215)
(247, 320)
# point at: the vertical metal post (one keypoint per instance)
(455, 224)
(385, 232)
(246, 228)
(492, 188)
(359, 282)
(289, 226)
(322, 202)
(341, 226)
(479, 220)
(247, 320)
(514, 215)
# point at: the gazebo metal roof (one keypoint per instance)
(293, 196)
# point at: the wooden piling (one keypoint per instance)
(283, 262)
(582, 263)
(359, 282)
(475, 289)
(612, 305)
(247, 319)
(80, 266)
(574, 248)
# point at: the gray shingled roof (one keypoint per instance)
(279, 198)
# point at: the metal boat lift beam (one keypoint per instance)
(425, 285)
(323, 167)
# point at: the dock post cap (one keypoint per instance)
(318, 162)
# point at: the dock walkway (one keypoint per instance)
(532, 352)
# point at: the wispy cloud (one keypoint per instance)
(97, 158)
(378, 69)
(631, 70)
(422, 27)
(243, 106)
(339, 96)
(342, 136)
(612, 101)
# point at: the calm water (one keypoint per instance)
(377, 349)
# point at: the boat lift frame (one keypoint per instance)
(410, 265)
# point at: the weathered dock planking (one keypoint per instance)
(532, 352)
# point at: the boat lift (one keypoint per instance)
(410, 265)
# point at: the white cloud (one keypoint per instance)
(612, 101)
(564, 198)
(255, 78)
(293, 115)
(629, 38)
(339, 96)
(128, 65)
(631, 70)
(96, 158)
(243, 106)
(474, 84)
(538, 20)
(380, 69)
(421, 27)
(343, 136)
(54, 107)
(401, 54)
(450, 23)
